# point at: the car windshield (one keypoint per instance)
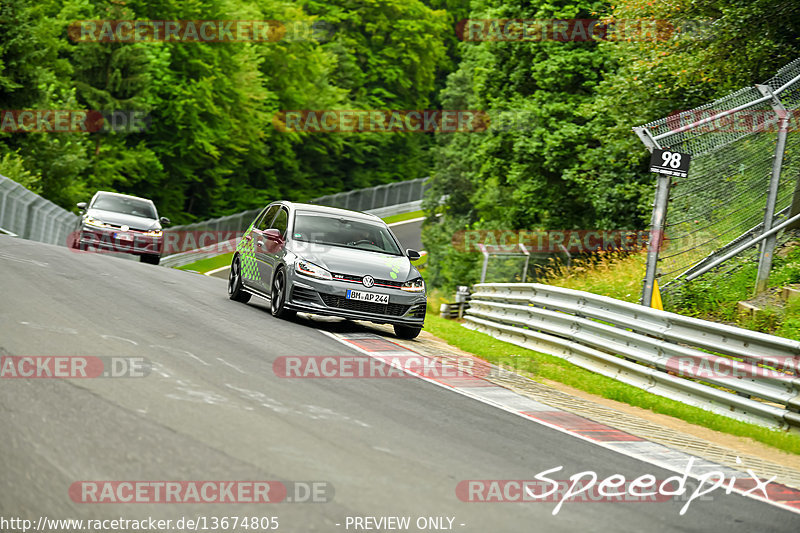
(125, 205)
(343, 231)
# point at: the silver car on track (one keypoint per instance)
(122, 223)
(329, 261)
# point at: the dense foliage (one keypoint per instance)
(568, 160)
(573, 162)
(211, 147)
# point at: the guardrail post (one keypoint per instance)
(527, 262)
(657, 221)
(768, 246)
(485, 253)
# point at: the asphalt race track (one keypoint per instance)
(212, 409)
(408, 233)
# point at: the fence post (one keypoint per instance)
(795, 209)
(485, 253)
(527, 262)
(768, 246)
(657, 221)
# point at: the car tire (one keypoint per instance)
(150, 259)
(278, 296)
(236, 290)
(406, 332)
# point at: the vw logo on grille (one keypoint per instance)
(368, 281)
(125, 228)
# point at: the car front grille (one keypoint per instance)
(339, 302)
(357, 279)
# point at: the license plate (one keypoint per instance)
(367, 297)
(123, 236)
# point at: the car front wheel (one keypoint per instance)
(278, 297)
(235, 290)
(406, 332)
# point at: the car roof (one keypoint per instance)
(109, 193)
(314, 208)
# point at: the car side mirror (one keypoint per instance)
(273, 234)
(413, 254)
(164, 220)
(81, 205)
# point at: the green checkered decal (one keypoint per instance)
(247, 258)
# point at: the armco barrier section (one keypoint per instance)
(27, 215)
(743, 374)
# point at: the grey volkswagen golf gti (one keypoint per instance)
(329, 261)
(120, 223)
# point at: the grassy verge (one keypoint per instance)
(211, 263)
(404, 216)
(609, 274)
(556, 369)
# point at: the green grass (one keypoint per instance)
(609, 274)
(556, 369)
(404, 216)
(715, 296)
(211, 263)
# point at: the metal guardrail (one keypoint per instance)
(649, 349)
(372, 198)
(26, 214)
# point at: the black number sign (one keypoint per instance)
(672, 163)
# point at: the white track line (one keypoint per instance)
(220, 269)
(610, 445)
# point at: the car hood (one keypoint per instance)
(120, 219)
(356, 262)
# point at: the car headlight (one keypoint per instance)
(94, 222)
(310, 269)
(415, 285)
(153, 233)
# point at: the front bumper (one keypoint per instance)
(106, 239)
(323, 297)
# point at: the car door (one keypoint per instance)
(248, 250)
(269, 248)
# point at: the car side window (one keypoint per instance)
(281, 222)
(264, 223)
